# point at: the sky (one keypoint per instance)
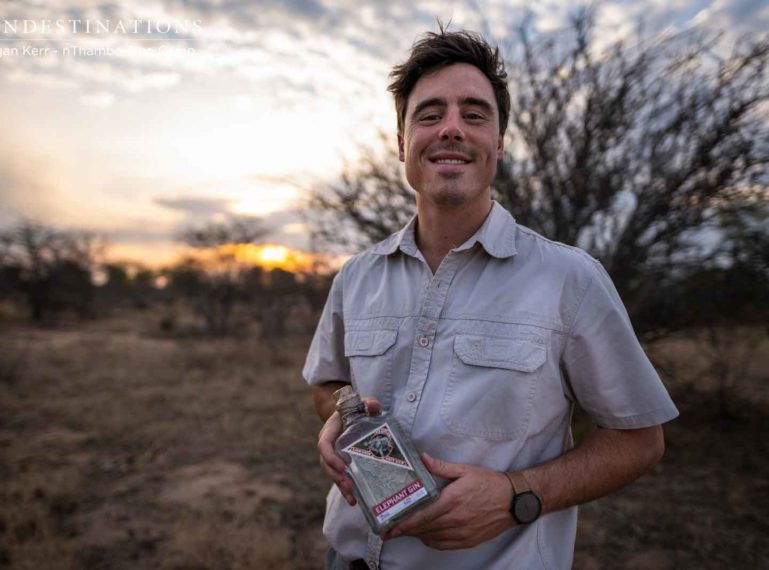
(137, 119)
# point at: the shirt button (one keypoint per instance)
(424, 341)
(411, 396)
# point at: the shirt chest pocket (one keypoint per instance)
(370, 354)
(492, 384)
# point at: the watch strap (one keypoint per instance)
(518, 482)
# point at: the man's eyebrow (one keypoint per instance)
(440, 102)
(477, 102)
(432, 102)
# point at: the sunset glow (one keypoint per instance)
(137, 135)
(267, 256)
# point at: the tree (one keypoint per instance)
(215, 283)
(365, 206)
(629, 153)
(237, 230)
(128, 284)
(50, 268)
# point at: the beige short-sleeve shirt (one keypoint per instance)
(482, 363)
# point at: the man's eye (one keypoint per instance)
(474, 116)
(430, 117)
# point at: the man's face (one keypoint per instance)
(451, 141)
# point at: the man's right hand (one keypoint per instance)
(332, 463)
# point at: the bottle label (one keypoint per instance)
(404, 498)
(380, 445)
(396, 493)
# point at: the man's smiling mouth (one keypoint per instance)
(445, 156)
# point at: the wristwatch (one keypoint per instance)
(526, 506)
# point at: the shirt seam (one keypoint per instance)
(383, 316)
(508, 321)
(638, 421)
(573, 248)
(476, 317)
(570, 329)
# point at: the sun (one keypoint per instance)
(273, 255)
(268, 256)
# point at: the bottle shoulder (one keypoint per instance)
(360, 428)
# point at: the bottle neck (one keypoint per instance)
(352, 415)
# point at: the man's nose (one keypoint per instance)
(452, 128)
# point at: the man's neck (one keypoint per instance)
(442, 228)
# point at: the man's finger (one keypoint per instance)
(446, 544)
(420, 519)
(332, 460)
(342, 481)
(443, 469)
(373, 407)
(440, 523)
(326, 439)
(334, 474)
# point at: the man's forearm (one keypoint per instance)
(323, 398)
(606, 461)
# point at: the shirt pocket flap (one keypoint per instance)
(368, 343)
(522, 354)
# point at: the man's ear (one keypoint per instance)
(401, 154)
(500, 146)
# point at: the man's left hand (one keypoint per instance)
(470, 510)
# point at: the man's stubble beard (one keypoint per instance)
(451, 193)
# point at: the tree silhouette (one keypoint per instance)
(214, 285)
(630, 152)
(50, 269)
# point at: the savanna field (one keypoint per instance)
(126, 445)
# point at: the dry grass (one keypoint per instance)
(122, 448)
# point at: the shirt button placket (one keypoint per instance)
(426, 328)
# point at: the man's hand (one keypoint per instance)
(332, 464)
(472, 509)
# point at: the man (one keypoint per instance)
(479, 336)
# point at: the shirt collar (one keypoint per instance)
(496, 235)
(404, 239)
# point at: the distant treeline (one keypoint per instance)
(48, 274)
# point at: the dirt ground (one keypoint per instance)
(125, 448)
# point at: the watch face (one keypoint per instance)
(527, 507)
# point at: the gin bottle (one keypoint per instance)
(389, 479)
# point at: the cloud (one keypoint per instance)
(197, 207)
(138, 236)
(245, 87)
(737, 18)
(99, 99)
(30, 186)
(288, 228)
(284, 227)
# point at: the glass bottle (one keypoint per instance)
(389, 479)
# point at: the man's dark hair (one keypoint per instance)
(437, 50)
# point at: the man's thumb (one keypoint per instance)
(443, 469)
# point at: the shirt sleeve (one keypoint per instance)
(326, 361)
(607, 370)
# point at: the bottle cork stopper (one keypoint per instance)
(347, 399)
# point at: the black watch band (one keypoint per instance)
(525, 506)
